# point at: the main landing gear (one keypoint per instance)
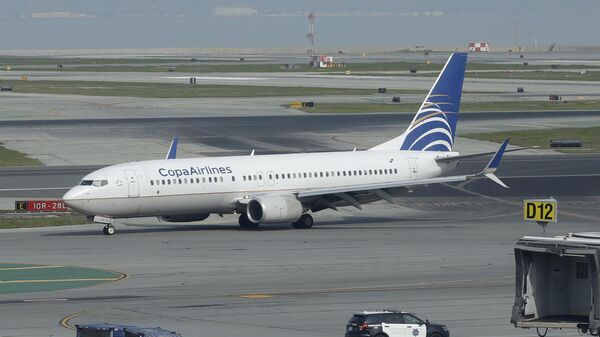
(305, 222)
(245, 223)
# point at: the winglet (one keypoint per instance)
(494, 163)
(172, 154)
(492, 166)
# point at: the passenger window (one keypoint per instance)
(395, 319)
(180, 181)
(151, 182)
(304, 174)
(277, 176)
(210, 179)
(385, 171)
(232, 178)
(289, 176)
(396, 171)
(370, 172)
(321, 174)
(294, 175)
(221, 179)
(410, 319)
(204, 180)
(260, 177)
(169, 181)
(270, 177)
(380, 171)
(354, 172)
(244, 178)
(163, 182)
(375, 319)
(327, 174)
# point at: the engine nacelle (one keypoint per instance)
(184, 217)
(274, 209)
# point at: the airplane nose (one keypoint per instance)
(74, 198)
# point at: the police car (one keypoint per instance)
(392, 323)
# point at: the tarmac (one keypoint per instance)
(447, 259)
(444, 252)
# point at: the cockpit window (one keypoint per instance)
(95, 183)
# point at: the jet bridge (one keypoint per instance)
(557, 283)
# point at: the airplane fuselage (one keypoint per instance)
(217, 184)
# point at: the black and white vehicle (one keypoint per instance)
(392, 323)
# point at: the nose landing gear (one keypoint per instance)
(108, 230)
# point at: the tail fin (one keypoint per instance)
(434, 126)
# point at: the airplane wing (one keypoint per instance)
(349, 193)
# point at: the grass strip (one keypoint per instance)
(177, 90)
(528, 138)
(465, 106)
(16, 158)
(28, 221)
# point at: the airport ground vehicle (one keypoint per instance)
(392, 323)
(557, 283)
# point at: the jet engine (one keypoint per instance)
(274, 209)
(183, 217)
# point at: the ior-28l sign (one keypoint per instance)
(541, 210)
(41, 206)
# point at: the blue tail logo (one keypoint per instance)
(434, 126)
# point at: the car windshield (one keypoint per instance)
(410, 319)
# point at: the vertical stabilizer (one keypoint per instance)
(434, 126)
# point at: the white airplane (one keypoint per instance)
(286, 187)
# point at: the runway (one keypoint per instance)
(94, 142)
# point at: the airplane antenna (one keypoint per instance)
(252, 153)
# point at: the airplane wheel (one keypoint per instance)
(108, 230)
(245, 223)
(306, 221)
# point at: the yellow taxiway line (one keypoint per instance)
(65, 321)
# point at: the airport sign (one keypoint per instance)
(33, 206)
(540, 210)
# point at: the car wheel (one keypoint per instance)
(381, 335)
(435, 334)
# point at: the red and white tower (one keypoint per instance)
(311, 34)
